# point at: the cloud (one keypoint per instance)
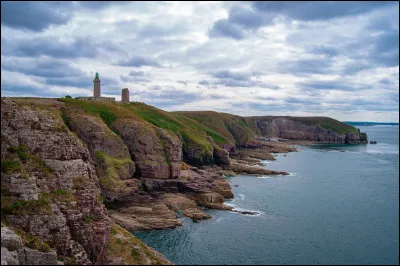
(166, 97)
(265, 58)
(53, 46)
(184, 82)
(204, 82)
(226, 74)
(306, 66)
(230, 78)
(324, 10)
(223, 28)
(342, 85)
(138, 61)
(323, 50)
(96, 5)
(241, 21)
(136, 76)
(41, 67)
(34, 16)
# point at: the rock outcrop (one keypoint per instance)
(13, 251)
(296, 130)
(50, 188)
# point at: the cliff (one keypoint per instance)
(75, 175)
(244, 131)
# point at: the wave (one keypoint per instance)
(258, 213)
(242, 196)
(266, 162)
(238, 209)
(274, 176)
(265, 176)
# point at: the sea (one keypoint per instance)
(338, 205)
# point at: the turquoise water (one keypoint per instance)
(339, 205)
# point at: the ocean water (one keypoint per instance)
(339, 205)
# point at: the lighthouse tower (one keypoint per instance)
(96, 86)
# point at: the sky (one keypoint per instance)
(331, 58)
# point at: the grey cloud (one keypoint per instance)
(136, 76)
(155, 31)
(239, 79)
(204, 82)
(41, 67)
(331, 85)
(156, 87)
(80, 82)
(53, 47)
(100, 4)
(17, 89)
(163, 98)
(324, 50)
(243, 83)
(134, 79)
(34, 15)
(231, 75)
(244, 20)
(247, 18)
(306, 66)
(223, 28)
(138, 61)
(319, 10)
(293, 100)
(184, 82)
(240, 23)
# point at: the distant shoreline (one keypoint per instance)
(370, 123)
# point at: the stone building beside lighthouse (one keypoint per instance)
(125, 95)
(97, 92)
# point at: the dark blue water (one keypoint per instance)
(340, 205)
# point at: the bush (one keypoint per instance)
(68, 97)
(10, 167)
(60, 192)
(35, 243)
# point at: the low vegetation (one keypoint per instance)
(107, 170)
(123, 244)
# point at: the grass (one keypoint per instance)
(21, 151)
(35, 243)
(107, 169)
(63, 195)
(124, 245)
(25, 207)
(9, 167)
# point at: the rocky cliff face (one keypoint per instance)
(50, 188)
(289, 129)
(243, 131)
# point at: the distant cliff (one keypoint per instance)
(243, 130)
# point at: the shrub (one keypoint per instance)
(60, 192)
(10, 167)
(35, 243)
(68, 97)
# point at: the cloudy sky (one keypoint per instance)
(337, 59)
